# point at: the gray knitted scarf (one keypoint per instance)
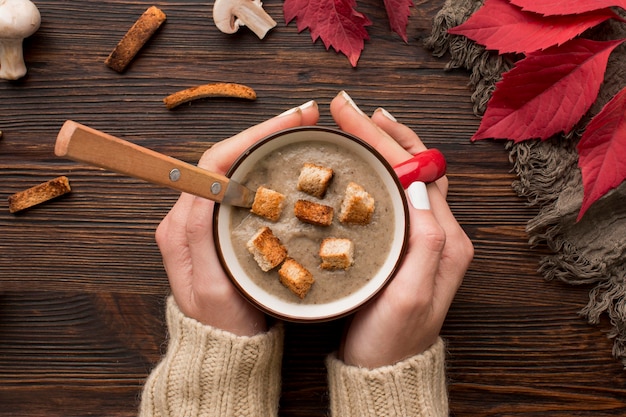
(590, 252)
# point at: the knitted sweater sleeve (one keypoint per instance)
(211, 372)
(415, 387)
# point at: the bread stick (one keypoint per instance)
(209, 90)
(135, 39)
(39, 194)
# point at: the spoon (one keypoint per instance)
(81, 143)
(84, 144)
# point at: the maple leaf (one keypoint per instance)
(601, 151)
(336, 22)
(560, 7)
(398, 12)
(547, 92)
(501, 26)
(550, 90)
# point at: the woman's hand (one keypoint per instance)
(185, 237)
(406, 317)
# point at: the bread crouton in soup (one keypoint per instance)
(313, 213)
(296, 277)
(314, 179)
(336, 253)
(357, 206)
(266, 249)
(268, 203)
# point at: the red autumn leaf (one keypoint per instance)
(501, 26)
(602, 150)
(398, 12)
(560, 7)
(336, 22)
(547, 92)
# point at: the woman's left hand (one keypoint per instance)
(199, 284)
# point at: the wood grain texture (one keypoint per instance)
(82, 286)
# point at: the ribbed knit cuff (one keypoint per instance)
(413, 387)
(211, 372)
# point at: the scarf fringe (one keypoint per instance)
(547, 171)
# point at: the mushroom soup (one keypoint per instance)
(279, 171)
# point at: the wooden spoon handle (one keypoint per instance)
(84, 144)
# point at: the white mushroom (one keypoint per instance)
(18, 20)
(229, 15)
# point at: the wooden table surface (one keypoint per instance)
(82, 286)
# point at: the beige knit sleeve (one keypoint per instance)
(411, 388)
(210, 372)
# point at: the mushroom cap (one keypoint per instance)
(224, 17)
(18, 19)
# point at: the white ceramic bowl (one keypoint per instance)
(294, 311)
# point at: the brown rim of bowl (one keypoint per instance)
(352, 309)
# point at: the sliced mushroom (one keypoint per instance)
(229, 15)
(18, 20)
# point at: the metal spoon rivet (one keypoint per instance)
(174, 175)
(216, 187)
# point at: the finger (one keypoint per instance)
(455, 253)
(221, 156)
(401, 133)
(457, 250)
(442, 184)
(208, 277)
(352, 120)
(426, 243)
(172, 241)
(169, 230)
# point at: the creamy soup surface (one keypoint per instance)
(280, 171)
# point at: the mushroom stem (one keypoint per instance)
(12, 65)
(229, 15)
(18, 20)
(252, 15)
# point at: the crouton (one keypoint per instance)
(267, 249)
(357, 206)
(296, 277)
(336, 253)
(314, 179)
(313, 213)
(268, 203)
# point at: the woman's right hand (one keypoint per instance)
(406, 317)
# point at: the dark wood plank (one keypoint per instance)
(78, 353)
(82, 286)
